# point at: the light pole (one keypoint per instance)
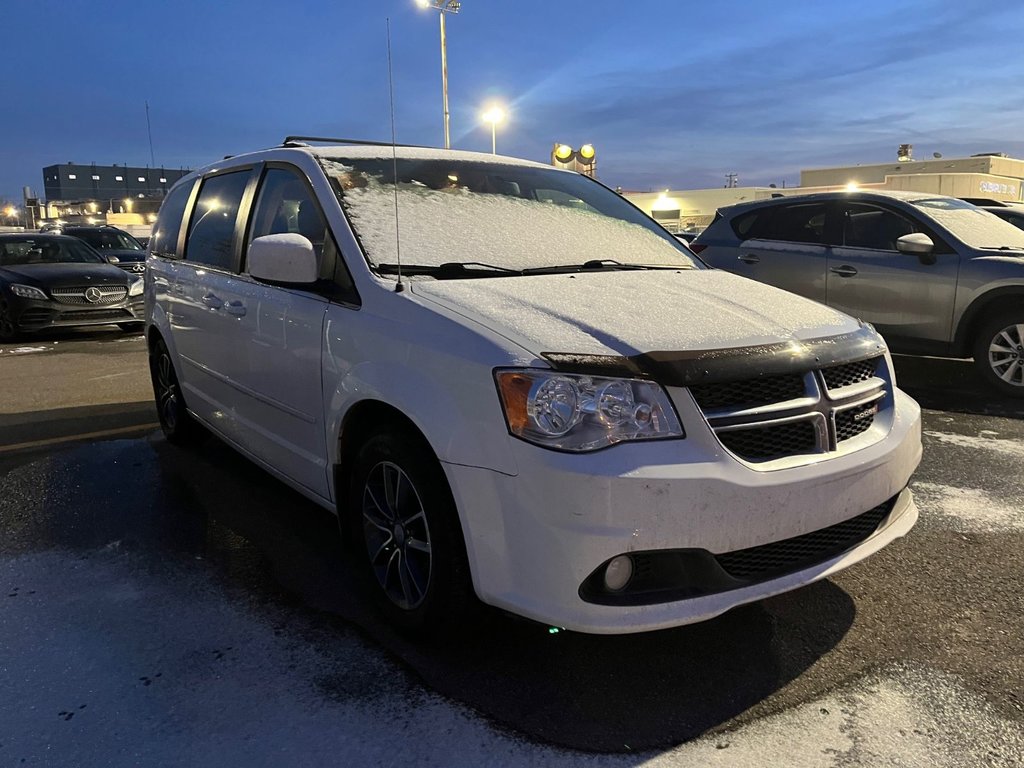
(493, 115)
(444, 6)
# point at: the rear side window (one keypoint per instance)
(211, 236)
(743, 224)
(168, 224)
(802, 223)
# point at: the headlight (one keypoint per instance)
(571, 412)
(136, 288)
(28, 292)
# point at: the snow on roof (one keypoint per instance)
(459, 225)
(342, 151)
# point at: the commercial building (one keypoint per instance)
(979, 177)
(73, 182)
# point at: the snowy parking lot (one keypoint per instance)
(168, 607)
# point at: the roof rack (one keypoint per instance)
(302, 141)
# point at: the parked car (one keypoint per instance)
(54, 281)
(116, 245)
(554, 408)
(935, 275)
(1014, 214)
(685, 237)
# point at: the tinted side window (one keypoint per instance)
(168, 224)
(802, 223)
(211, 237)
(866, 226)
(743, 225)
(286, 204)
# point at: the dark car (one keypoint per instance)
(1013, 214)
(116, 245)
(50, 281)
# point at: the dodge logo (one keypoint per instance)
(92, 295)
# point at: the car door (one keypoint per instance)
(278, 331)
(786, 246)
(907, 297)
(204, 327)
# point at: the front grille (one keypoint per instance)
(765, 418)
(135, 267)
(849, 373)
(749, 392)
(789, 555)
(771, 441)
(108, 294)
(96, 314)
(854, 421)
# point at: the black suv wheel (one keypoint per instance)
(177, 424)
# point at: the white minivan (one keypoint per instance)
(511, 385)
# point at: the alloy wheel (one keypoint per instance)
(397, 535)
(1006, 354)
(167, 400)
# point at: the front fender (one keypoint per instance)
(463, 425)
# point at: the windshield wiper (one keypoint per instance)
(1002, 247)
(450, 269)
(600, 264)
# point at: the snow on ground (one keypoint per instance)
(25, 350)
(969, 509)
(985, 442)
(111, 659)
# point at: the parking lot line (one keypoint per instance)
(81, 436)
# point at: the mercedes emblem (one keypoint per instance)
(93, 294)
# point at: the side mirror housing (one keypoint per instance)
(285, 258)
(113, 260)
(918, 244)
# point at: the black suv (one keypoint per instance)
(116, 245)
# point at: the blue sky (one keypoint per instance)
(672, 94)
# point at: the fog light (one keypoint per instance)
(618, 573)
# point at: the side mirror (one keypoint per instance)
(286, 258)
(113, 260)
(919, 245)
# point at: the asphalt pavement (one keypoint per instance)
(169, 607)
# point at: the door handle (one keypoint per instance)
(749, 258)
(213, 301)
(844, 271)
(235, 308)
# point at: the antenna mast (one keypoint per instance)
(399, 286)
(149, 130)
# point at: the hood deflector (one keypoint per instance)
(709, 366)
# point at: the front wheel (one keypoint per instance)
(8, 331)
(999, 353)
(408, 533)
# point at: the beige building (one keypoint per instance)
(985, 177)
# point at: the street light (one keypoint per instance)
(444, 6)
(493, 115)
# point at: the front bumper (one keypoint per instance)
(533, 539)
(31, 315)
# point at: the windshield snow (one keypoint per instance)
(975, 227)
(506, 216)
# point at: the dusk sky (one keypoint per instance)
(672, 94)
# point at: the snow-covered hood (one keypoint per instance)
(630, 313)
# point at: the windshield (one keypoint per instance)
(46, 250)
(106, 240)
(970, 224)
(511, 217)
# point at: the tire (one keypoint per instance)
(999, 352)
(8, 331)
(406, 530)
(177, 424)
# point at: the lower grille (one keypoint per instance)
(35, 317)
(97, 314)
(771, 441)
(781, 557)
